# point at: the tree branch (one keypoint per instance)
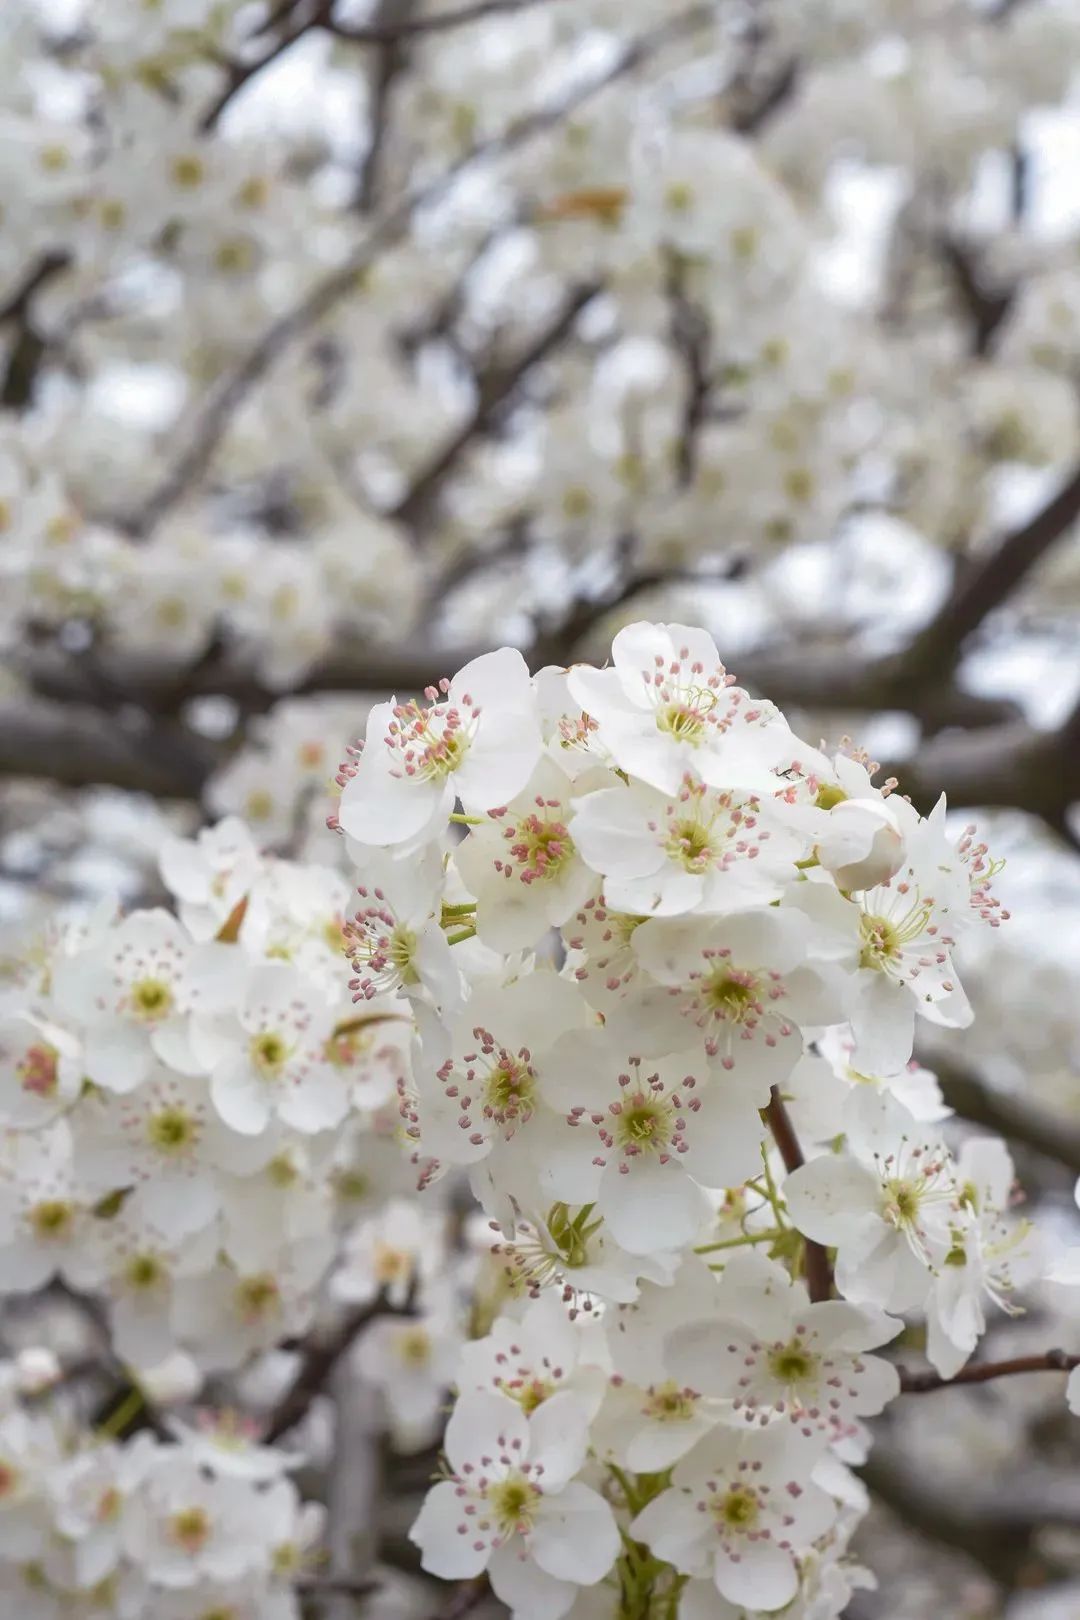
(439, 22)
(1008, 1116)
(80, 746)
(319, 1358)
(984, 1372)
(238, 74)
(816, 1260)
(28, 347)
(389, 62)
(990, 580)
(984, 307)
(494, 388)
(463, 1600)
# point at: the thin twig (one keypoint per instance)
(816, 1260)
(439, 22)
(984, 1372)
(494, 388)
(238, 74)
(318, 1361)
(465, 1599)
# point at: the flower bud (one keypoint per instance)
(862, 847)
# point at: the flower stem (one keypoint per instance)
(770, 1236)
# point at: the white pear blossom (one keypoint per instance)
(131, 999)
(667, 707)
(512, 1506)
(183, 1526)
(41, 1070)
(395, 939)
(643, 1135)
(773, 1353)
(210, 875)
(698, 850)
(269, 1057)
(523, 865)
(478, 740)
(885, 1205)
(161, 1145)
(742, 1507)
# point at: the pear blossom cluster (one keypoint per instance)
(613, 939)
(324, 354)
(634, 916)
(196, 1147)
(182, 1092)
(207, 1522)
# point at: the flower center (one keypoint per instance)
(690, 845)
(188, 171)
(513, 1503)
(390, 1264)
(37, 1070)
(269, 1052)
(414, 1347)
(282, 1171)
(52, 1219)
(382, 950)
(190, 1528)
(542, 847)
(531, 1395)
(829, 796)
(151, 999)
(685, 717)
(792, 1363)
(902, 1202)
(432, 742)
(257, 1297)
(510, 1088)
(171, 1130)
(144, 1272)
(643, 1122)
(738, 1509)
(884, 938)
(667, 1403)
(732, 994)
(109, 1504)
(880, 942)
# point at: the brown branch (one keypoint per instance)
(983, 1372)
(392, 33)
(990, 580)
(318, 1360)
(391, 59)
(999, 767)
(386, 231)
(752, 112)
(691, 338)
(816, 1260)
(984, 307)
(494, 388)
(464, 1599)
(28, 347)
(80, 746)
(336, 1586)
(1006, 1115)
(238, 74)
